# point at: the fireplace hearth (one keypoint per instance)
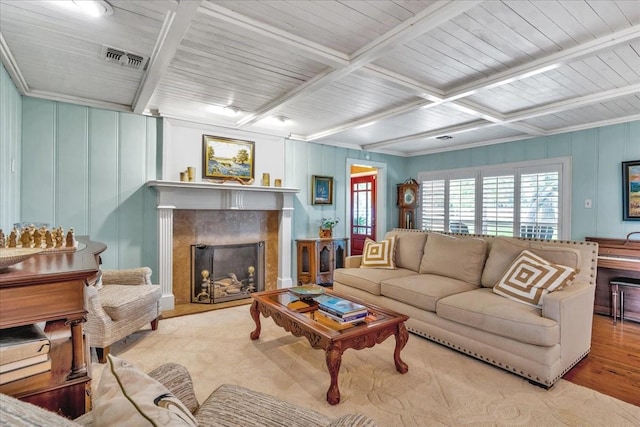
(222, 273)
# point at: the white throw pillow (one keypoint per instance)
(127, 396)
(530, 278)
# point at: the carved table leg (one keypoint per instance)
(78, 365)
(255, 315)
(402, 336)
(333, 356)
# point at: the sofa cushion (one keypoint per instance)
(530, 278)
(14, 412)
(557, 255)
(423, 290)
(486, 311)
(128, 396)
(123, 301)
(504, 250)
(368, 279)
(409, 248)
(442, 255)
(379, 254)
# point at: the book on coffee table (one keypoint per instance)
(339, 306)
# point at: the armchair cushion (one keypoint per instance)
(127, 276)
(124, 301)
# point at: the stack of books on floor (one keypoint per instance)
(24, 351)
(339, 313)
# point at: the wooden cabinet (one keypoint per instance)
(50, 288)
(318, 258)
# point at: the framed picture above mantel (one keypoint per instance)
(227, 158)
(631, 190)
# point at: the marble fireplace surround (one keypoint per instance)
(203, 196)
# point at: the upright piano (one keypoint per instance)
(617, 258)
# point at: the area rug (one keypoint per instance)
(442, 387)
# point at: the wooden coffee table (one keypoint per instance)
(297, 317)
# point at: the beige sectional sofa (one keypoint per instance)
(444, 283)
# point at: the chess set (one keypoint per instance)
(42, 237)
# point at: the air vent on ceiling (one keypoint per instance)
(123, 58)
(444, 137)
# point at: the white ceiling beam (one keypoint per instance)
(173, 29)
(365, 121)
(547, 63)
(568, 104)
(423, 90)
(431, 17)
(451, 130)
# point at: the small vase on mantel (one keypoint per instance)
(325, 233)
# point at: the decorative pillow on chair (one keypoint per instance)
(530, 278)
(127, 396)
(379, 254)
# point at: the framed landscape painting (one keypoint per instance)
(631, 190)
(227, 158)
(321, 190)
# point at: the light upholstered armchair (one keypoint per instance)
(124, 302)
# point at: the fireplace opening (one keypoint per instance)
(221, 273)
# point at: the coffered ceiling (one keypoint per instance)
(400, 77)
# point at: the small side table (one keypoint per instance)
(616, 283)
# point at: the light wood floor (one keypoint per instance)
(612, 367)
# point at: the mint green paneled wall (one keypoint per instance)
(10, 140)
(306, 159)
(86, 168)
(596, 156)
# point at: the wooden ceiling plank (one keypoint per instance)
(318, 52)
(173, 30)
(574, 103)
(548, 62)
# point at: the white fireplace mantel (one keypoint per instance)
(208, 196)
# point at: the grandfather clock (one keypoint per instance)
(408, 202)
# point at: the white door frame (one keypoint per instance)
(381, 196)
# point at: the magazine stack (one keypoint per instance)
(339, 313)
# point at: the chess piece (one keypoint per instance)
(13, 238)
(70, 239)
(25, 238)
(59, 237)
(37, 239)
(48, 238)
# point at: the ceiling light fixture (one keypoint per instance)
(231, 110)
(95, 8)
(282, 119)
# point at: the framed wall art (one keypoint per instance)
(227, 158)
(631, 190)
(321, 190)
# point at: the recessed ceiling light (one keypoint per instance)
(94, 8)
(444, 137)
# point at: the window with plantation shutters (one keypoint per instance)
(433, 204)
(526, 199)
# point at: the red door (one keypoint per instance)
(363, 211)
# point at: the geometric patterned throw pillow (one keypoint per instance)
(379, 254)
(530, 278)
